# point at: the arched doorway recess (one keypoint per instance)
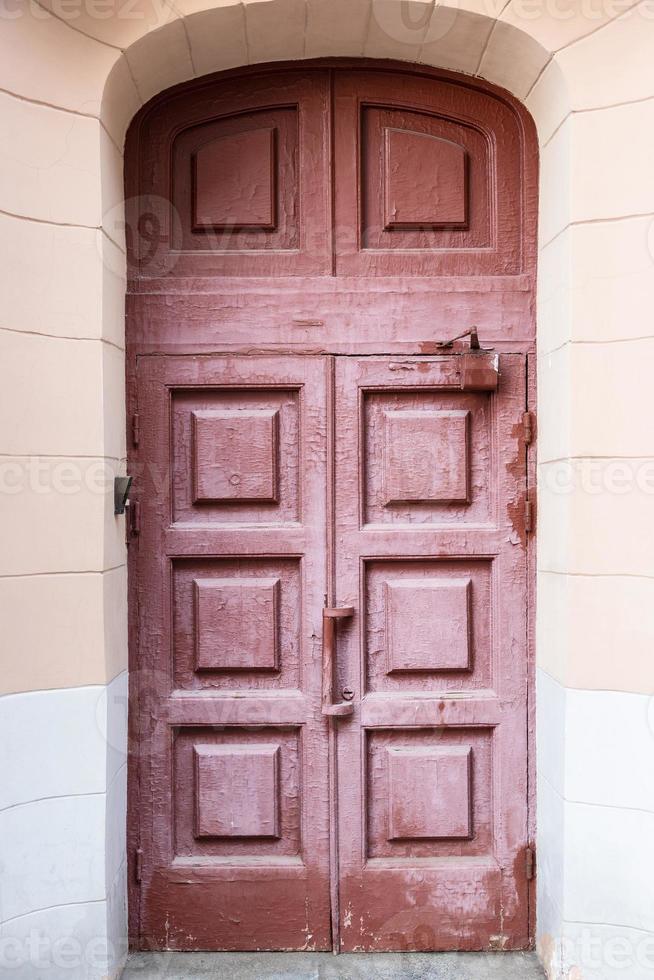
(331, 564)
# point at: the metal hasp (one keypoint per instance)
(479, 366)
(122, 485)
(471, 333)
(330, 617)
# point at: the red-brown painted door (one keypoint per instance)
(253, 465)
(301, 238)
(432, 764)
(231, 582)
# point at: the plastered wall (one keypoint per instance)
(72, 75)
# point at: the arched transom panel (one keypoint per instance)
(333, 171)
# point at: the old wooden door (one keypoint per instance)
(430, 553)
(230, 593)
(329, 543)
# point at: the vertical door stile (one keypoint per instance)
(331, 164)
(330, 600)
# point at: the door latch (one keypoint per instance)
(122, 486)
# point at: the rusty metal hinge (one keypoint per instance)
(528, 427)
(138, 864)
(530, 863)
(136, 428)
(134, 510)
(529, 515)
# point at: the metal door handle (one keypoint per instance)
(330, 616)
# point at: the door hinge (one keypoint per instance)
(136, 428)
(138, 864)
(134, 509)
(528, 427)
(529, 515)
(530, 863)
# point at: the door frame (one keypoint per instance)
(516, 293)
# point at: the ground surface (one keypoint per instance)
(324, 966)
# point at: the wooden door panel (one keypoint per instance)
(428, 793)
(236, 455)
(235, 183)
(424, 182)
(425, 462)
(432, 173)
(427, 622)
(237, 795)
(231, 576)
(237, 623)
(443, 200)
(238, 181)
(433, 762)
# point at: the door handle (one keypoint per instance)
(330, 617)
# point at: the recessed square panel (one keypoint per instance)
(429, 793)
(426, 456)
(236, 624)
(235, 455)
(424, 180)
(241, 183)
(428, 624)
(234, 181)
(238, 793)
(237, 790)
(427, 201)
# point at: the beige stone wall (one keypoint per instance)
(71, 79)
(69, 86)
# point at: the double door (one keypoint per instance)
(329, 700)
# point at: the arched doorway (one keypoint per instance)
(330, 561)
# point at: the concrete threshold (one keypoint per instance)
(325, 966)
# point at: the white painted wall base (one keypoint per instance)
(63, 800)
(595, 832)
